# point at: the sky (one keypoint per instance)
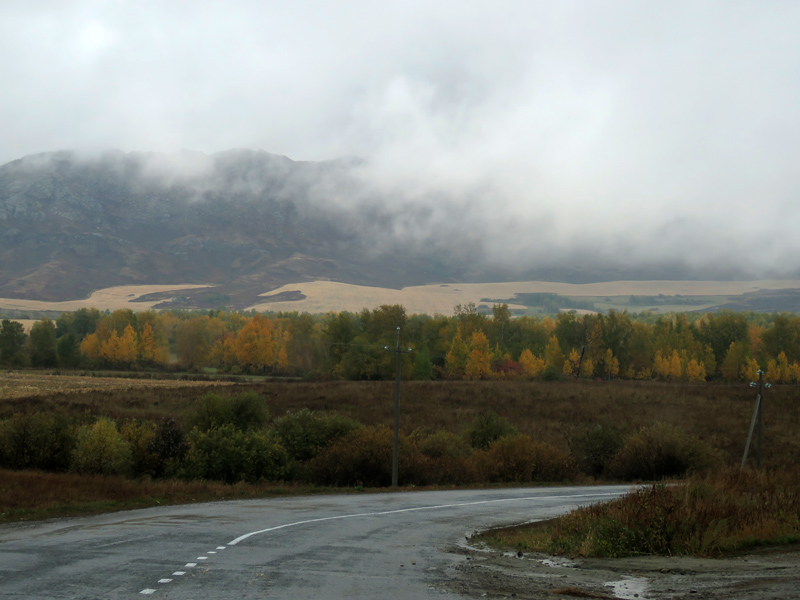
(661, 130)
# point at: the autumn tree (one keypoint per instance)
(456, 359)
(532, 366)
(256, 346)
(479, 360)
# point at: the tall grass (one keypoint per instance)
(721, 513)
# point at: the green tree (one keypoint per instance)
(42, 344)
(12, 343)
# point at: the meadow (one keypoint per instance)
(561, 428)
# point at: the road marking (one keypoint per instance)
(241, 538)
(178, 573)
(202, 558)
(164, 580)
(147, 591)
(221, 547)
(190, 565)
(210, 552)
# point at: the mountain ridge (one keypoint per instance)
(246, 221)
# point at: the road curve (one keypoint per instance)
(355, 546)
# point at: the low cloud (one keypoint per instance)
(539, 132)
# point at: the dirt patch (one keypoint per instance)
(766, 574)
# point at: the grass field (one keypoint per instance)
(109, 298)
(324, 296)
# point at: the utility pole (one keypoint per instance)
(396, 444)
(758, 417)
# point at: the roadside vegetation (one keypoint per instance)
(719, 513)
(322, 435)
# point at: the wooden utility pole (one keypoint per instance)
(758, 417)
(396, 442)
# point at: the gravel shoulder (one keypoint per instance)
(766, 574)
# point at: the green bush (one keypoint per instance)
(661, 451)
(487, 428)
(230, 455)
(139, 435)
(520, 459)
(100, 449)
(593, 447)
(169, 445)
(36, 441)
(245, 412)
(304, 434)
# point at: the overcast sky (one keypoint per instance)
(653, 129)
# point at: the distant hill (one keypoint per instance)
(248, 221)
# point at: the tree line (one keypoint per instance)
(465, 345)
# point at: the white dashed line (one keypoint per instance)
(190, 565)
(147, 591)
(178, 573)
(211, 552)
(202, 558)
(220, 547)
(164, 580)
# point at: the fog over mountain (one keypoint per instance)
(250, 221)
(573, 140)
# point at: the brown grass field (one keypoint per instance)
(717, 413)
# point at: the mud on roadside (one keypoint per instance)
(767, 574)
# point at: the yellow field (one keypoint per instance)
(22, 385)
(324, 296)
(112, 298)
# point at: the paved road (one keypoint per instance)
(358, 546)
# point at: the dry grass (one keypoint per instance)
(324, 296)
(27, 495)
(727, 511)
(14, 385)
(112, 298)
(718, 414)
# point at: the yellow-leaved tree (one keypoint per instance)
(532, 366)
(479, 360)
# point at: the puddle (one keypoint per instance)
(629, 588)
(557, 562)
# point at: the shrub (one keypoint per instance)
(230, 455)
(247, 411)
(364, 457)
(36, 441)
(593, 447)
(100, 449)
(169, 445)
(661, 451)
(446, 459)
(304, 434)
(139, 435)
(488, 427)
(520, 459)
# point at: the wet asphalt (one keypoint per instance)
(386, 546)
